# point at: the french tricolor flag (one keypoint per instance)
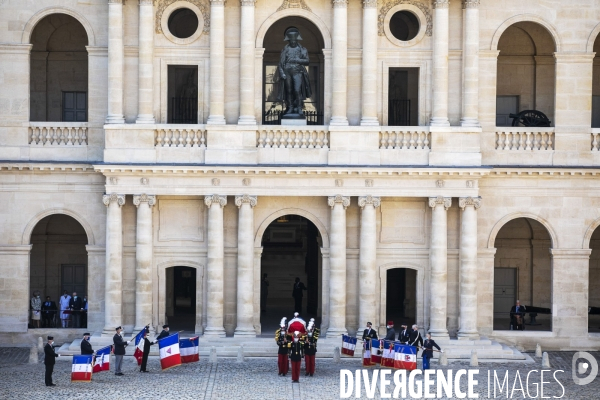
(405, 357)
(139, 346)
(348, 345)
(102, 362)
(376, 350)
(389, 354)
(189, 350)
(81, 371)
(169, 351)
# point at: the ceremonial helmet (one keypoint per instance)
(283, 322)
(291, 33)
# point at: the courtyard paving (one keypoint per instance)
(256, 378)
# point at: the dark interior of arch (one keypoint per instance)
(594, 282)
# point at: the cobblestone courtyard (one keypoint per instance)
(254, 379)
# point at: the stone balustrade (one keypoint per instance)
(314, 137)
(595, 139)
(180, 136)
(405, 138)
(524, 138)
(58, 133)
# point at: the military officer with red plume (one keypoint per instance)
(282, 340)
(310, 347)
(296, 354)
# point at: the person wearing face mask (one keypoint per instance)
(49, 360)
(310, 348)
(64, 306)
(76, 305)
(84, 311)
(48, 313)
(391, 333)
(296, 354)
(86, 346)
(404, 334)
(119, 346)
(281, 338)
(163, 334)
(36, 310)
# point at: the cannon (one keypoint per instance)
(530, 118)
(534, 311)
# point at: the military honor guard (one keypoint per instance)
(296, 353)
(404, 334)
(428, 346)
(147, 344)
(86, 346)
(119, 346)
(281, 338)
(310, 347)
(49, 360)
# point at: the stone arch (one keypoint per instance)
(295, 211)
(293, 12)
(26, 238)
(588, 234)
(40, 15)
(526, 18)
(510, 217)
(159, 302)
(592, 39)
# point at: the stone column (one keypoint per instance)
(116, 54)
(245, 267)
(337, 266)
(340, 62)
(143, 261)
(217, 63)
(214, 306)
(145, 64)
(367, 298)
(247, 35)
(369, 65)
(113, 286)
(468, 267)
(470, 95)
(438, 262)
(439, 116)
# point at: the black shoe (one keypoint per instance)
(120, 374)
(311, 374)
(295, 382)
(306, 374)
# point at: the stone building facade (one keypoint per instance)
(141, 145)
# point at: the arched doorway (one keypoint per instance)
(401, 297)
(59, 70)
(291, 249)
(594, 283)
(596, 85)
(181, 298)
(273, 43)
(58, 262)
(526, 71)
(523, 271)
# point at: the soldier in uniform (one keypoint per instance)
(404, 334)
(296, 354)
(86, 347)
(310, 348)
(49, 360)
(282, 341)
(163, 334)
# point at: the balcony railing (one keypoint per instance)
(58, 133)
(315, 137)
(524, 138)
(595, 139)
(405, 138)
(180, 136)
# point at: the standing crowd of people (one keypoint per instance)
(72, 312)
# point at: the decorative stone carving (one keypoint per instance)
(144, 181)
(339, 182)
(216, 181)
(113, 180)
(470, 3)
(201, 4)
(470, 184)
(369, 182)
(445, 201)
(246, 198)
(147, 2)
(441, 3)
(469, 201)
(439, 183)
(116, 2)
(339, 3)
(215, 198)
(108, 198)
(246, 182)
(388, 5)
(333, 200)
(369, 3)
(364, 200)
(293, 4)
(144, 198)
(247, 2)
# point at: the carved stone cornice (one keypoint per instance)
(108, 198)
(246, 199)
(147, 2)
(293, 4)
(369, 3)
(247, 2)
(339, 3)
(441, 3)
(440, 200)
(203, 5)
(116, 2)
(217, 2)
(364, 200)
(470, 3)
(215, 199)
(338, 199)
(469, 201)
(144, 198)
(389, 4)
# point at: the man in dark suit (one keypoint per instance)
(369, 333)
(517, 316)
(119, 350)
(415, 339)
(49, 360)
(76, 305)
(48, 313)
(86, 346)
(297, 294)
(391, 333)
(428, 350)
(163, 334)
(404, 334)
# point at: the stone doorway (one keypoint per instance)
(403, 102)
(291, 249)
(181, 298)
(401, 297)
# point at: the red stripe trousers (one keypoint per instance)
(282, 363)
(310, 364)
(296, 370)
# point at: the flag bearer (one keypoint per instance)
(310, 348)
(49, 360)
(147, 344)
(282, 353)
(428, 350)
(296, 354)
(163, 334)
